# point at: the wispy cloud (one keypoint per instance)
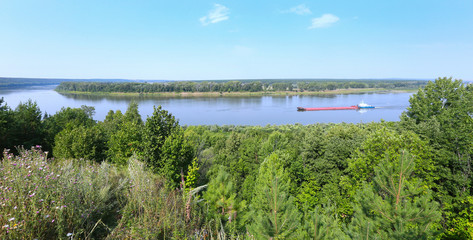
(300, 10)
(217, 14)
(324, 21)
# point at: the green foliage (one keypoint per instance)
(234, 86)
(394, 206)
(221, 197)
(27, 127)
(307, 193)
(325, 153)
(192, 174)
(6, 121)
(380, 144)
(124, 142)
(81, 142)
(462, 223)
(450, 103)
(273, 211)
(157, 128)
(176, 156)
(322, 223)
(442, 114)
(132, 115)
(125, 134)
(66, 118)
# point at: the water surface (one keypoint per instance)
(227, 110)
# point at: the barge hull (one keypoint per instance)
(327, 108)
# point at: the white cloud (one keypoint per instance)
(217, 14)
(325, 20)
(300, 10)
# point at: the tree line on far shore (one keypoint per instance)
(237, 86)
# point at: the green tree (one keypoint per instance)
(27, 125)
(395, 205)
(124, 142)
(273, 211)
(132, 114)
(221, 197)
(157, 128)
(176, 156)
(112, 122)
(325, 154)
(66, 118)
(322, 223)
(442, 114)
(125, 134)
(450, 103)
(380, 144)
(6, 125)
(81, 142)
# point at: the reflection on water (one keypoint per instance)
(228, 110)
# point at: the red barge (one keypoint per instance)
(354, 107)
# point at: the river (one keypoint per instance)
(261, 111)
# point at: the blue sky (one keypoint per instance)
(185, 40)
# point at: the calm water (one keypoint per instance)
(228, 111)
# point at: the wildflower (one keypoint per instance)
(46, 216)
(5, 226)
(11, 219)
(52, 221)
(14, 208)
(69, 234)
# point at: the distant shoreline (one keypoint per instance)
(240, 94)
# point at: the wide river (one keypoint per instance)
(228, 110)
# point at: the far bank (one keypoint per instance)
(241, 94)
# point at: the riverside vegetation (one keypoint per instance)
(66, 176)
(237, 87)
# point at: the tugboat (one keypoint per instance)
(364, 105)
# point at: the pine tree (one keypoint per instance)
(221, 196)
(322, 223)
(394, 206)
(273, 212)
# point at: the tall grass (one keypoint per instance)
(155, 212)
(45, 199)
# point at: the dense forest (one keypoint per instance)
(67, 176)
(238, 86)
